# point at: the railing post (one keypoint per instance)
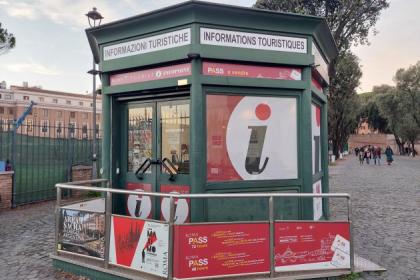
(108, 210)
(57, 219)
(171, 237)
(271, 218)
(351, 234)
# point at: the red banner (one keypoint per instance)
(221, 249)
(251, 71)
(311, 245)
(154, 74)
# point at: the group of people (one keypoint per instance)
(368, 153)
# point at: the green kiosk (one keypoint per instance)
(209, 98)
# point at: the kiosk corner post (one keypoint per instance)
(57, 219)
(108, 210)
(171, 237)
(271, 221)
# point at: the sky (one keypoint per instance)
(52, 50)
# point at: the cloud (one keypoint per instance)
(32, 67)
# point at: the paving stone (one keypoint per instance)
(386, 211)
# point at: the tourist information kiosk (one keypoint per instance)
(214, 150)
(208, 98)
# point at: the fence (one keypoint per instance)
(182, 251)
(42, 155)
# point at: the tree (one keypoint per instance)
(350, 23)
(408, 84)
(7, 40)
(344, 104)
(369, 112)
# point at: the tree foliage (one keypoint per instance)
(344, 104)
(369, 111)
(350, 23)
(7, 40)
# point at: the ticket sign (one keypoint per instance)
(160, 73)
(311, 245)
(221, 249)
(251, 71)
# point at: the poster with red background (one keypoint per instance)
(182, 206)
(311, 245)
(139, 206)
(221, 249)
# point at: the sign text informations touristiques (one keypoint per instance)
(251, 71)
(247, 40)
(311, 246)
(140, 245)
(221, 249)
(149, 44)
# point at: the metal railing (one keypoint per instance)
(172, 197)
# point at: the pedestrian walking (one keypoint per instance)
(367, 155)
(389, 153)
(378, 155)
(361, 157)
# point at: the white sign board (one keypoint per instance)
(321, 64)
(149, 44)
(317, 189)
(236, 39)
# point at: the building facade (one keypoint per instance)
(55, 114)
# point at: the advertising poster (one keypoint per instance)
(316, 139)
(221, 249)
(82, 233)
(251, 71)
(140, 245)
(251, 138)
(311, 245)
(139, 206)
(317, 201)
(182, 206)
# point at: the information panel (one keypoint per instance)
(140, 245)
(82, 232)
(221, 249)
(311, 245)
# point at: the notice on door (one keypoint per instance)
(221, 249)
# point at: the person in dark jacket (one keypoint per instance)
(389, 153)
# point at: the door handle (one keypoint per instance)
(142, 169)
(170, 167)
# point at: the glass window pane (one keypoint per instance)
(175, 133)
(139, 137)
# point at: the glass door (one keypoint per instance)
(158, 144)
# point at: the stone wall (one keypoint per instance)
(6, 182)
(80, 173)
(381, 140)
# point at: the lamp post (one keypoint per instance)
(94, 19)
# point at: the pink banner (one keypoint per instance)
(154, 74)
(251, 71)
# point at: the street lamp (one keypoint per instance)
(94, 19)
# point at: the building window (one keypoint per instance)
(91, 104)
(59, 126)
(68, 102)
(45, 112)
(8, 96)
(0, 96)
(41, 99)
(98, 116)
(85, 130)
(80, 103)
(72, 129)
(1, 110)
(59, 114)
(25, 97)
(72, 115)
(11, 111)
(85, 115)
(55, 100)
(44, 126)
(29, 126)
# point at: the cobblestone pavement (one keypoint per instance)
(26, 239)
(386, 213)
